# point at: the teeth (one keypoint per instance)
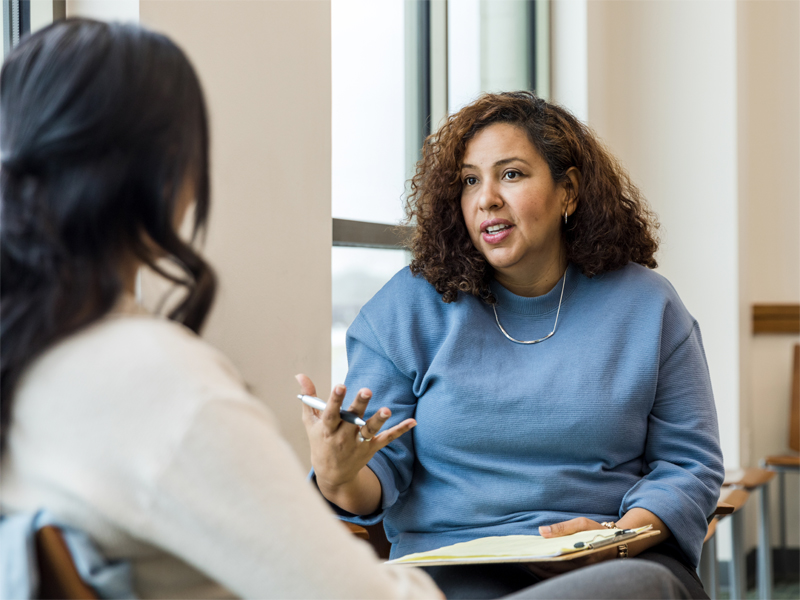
(496, 228)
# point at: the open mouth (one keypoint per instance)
(496, 232)
(495, 229)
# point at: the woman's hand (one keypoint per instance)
(633, 519)
(551, 569)
(338, 455)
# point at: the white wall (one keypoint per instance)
(662, 94)
(700, 102)
(569, 55)
(41, 14)
(104, 10)
(769, 191)
(266, 70)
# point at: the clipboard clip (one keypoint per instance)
(619, 536)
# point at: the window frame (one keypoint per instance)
(20, 17)
(426, 100)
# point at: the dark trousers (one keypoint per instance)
(656, 573)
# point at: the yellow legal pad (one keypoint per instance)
(520, 548)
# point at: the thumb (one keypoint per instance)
(568, 527)
(306, 385)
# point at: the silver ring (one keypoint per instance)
(361, 438)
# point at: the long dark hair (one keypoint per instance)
(101, 127)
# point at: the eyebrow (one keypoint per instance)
(500, 163)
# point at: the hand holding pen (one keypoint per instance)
(340, 448)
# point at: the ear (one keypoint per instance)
(572, 186)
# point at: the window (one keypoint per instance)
(16, 23)
(20, 17)
(398, 68)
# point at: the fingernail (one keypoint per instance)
(366, 394)
(339, 389)
(545, 530)
(385, 414)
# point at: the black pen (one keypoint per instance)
(320, 404)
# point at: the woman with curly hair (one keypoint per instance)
(553, 381)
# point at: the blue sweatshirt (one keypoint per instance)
(614, 412)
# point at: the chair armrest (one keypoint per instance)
(357, 530)
(58, 577)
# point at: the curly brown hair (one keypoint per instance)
(611, 226)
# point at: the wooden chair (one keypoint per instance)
(788, 463)
(375, 535)
(752, 480)
(707, 569)
(58, 577)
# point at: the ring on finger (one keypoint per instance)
(361, 437)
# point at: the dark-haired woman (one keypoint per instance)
(120, 423)
(553, 381)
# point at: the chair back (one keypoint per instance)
(378, 540)
(58, 577)
(794, 417)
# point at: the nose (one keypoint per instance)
(490, 197)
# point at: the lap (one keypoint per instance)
(631, 578)
(652, 575)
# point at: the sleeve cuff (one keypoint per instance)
(682, 515)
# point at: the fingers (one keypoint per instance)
(568, 527)
(307, 388)
(390, 435)
(359, 404)
(332, 420)
(375, 422)
(330, 416)
(306, 385)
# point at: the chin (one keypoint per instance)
(500, 262)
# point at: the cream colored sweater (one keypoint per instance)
(141, 434)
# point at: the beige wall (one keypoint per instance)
(769, 190)
(700, 101)
(266, 70)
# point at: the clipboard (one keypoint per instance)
(525, 548)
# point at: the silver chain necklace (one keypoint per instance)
(549, 335)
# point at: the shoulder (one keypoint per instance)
(407, 286)
(643, 295)
(638, 288)
(408, 317)
(639, 279)
(407, 292)
(125, 354)
(160, 344)
(409, 303)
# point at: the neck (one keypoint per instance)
(128, 273)
(535, 282)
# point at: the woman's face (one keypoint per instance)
(512, 207)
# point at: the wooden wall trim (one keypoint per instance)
(776, 318)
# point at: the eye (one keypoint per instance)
(470, 180)
(511, 175)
